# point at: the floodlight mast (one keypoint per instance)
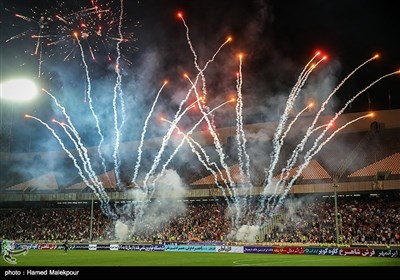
(335, 186)
(375, 127)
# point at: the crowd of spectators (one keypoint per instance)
(371, 220)
(51, 224)
(360, 221)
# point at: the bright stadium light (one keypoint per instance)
(18, 90)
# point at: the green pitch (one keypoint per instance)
(76, 258)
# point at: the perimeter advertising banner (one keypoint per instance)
(321, 251)
(324, 251)
(258, 249)
(229, 249)
(143, 247)
(289, 250)
(186, 248)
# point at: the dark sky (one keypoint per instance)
(277, 38)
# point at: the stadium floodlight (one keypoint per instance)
(18, 90)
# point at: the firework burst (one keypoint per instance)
(60, 31)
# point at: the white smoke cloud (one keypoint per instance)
(121, 231)
(165, 205)
(245, 233)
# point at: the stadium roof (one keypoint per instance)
(234, 170)
(44, 182)
(313, 171)
(389, 164)
(107, 180)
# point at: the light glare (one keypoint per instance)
(18, 90)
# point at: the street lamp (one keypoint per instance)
(336, 214)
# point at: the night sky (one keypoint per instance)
(277, 39)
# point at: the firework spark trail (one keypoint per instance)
(244, 140)
(211, 127)
(285, 172)
(89, 96)
(164, 143)
(315, 145)
(68, 55)
(217, 143)
(40, 62)
(307, 160)
(105, 206)
(191, 46)
(206, 164)
(58, 42)
(28, 19)
(139, 157)
(86, 162)
(220, 152)
(139, 210)
(299, 148)
(195, 57)
(38, 41)
(118, 93)
(292, 122)
(90, 50)
(240, 136)
(17, 36)
(281, 140)
(62, 19)
(63, 110)
(321, 126)
(80, 146)
(241, 140)
(183, 140)
(337, 88)
(316, 148)
(183, 101)
(293, 93)
(342, 110)
(167, 136)
(282, 122)
(38, 45)
(201, 73)
(38, 49)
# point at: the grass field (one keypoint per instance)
(183, 265)
(81, 258)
